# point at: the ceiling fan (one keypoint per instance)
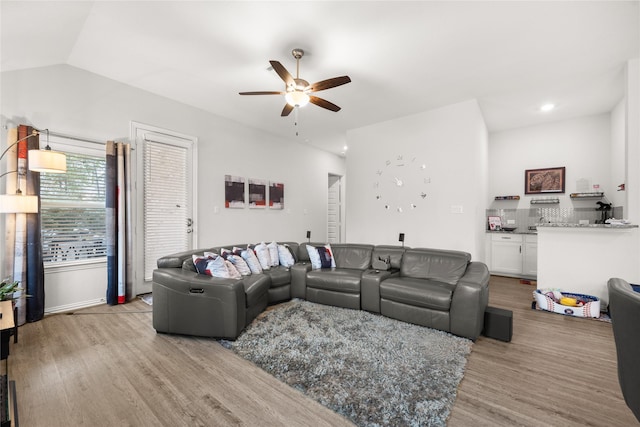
(298, 92)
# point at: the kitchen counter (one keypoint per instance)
(581, 258)
(589, 226)
(565, 225)
(512, 232)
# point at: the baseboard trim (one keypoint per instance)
(74, 306)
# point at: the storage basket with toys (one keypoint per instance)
(571, 304)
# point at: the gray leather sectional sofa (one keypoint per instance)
(436, 288)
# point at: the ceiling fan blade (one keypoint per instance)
(286, 110)
(323, 103)
(328, 84)
(283, 73)
(262, 93)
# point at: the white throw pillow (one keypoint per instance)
(233, 272)
(285, 257)
(333, 260)
(273, 253)
(262, 252)
(240, 265)
(314, 257)
(201, 262)
(252, 261)
(217, 267)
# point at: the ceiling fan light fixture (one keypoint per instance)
(545, 108)
(297, 98)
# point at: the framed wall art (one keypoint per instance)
(276, 195)
(234, 192)
(257, 194)
(548, 180)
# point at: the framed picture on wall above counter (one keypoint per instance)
(548, 180)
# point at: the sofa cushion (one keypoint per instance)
(394, 253)
(434, 264)
(280, 276)
(417, 292)
(255, 286)
(357, 256)
(335, 279)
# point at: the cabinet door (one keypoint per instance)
(530, 263)
(506, 257)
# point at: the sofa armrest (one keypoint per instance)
(469, 301)
(216, 306)
(299, 279)
(370, 288)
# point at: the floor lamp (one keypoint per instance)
(45, 160)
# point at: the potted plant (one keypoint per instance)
(8, 288)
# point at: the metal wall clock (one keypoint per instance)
(401, 184)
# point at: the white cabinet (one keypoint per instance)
(506, 253)
(530, 256)
(514, 254)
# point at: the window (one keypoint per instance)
(73, 210)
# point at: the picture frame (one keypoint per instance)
(257, 193)
(234, 197)
(276, 195)
(495, 223)
(546, 180)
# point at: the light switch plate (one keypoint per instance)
(456, 209)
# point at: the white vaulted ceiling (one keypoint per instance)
(403, 57)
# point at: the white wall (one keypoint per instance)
(582, 145)
(632, 132)
(618, 155)
(75, 102)
(452, 143)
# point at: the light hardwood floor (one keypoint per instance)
(106, 366)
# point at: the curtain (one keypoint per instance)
(119, 223)
(23, 239)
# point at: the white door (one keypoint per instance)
(334, 209)
(166, 170)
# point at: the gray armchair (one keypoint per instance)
(624, 307)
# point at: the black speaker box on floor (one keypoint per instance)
(498, 324)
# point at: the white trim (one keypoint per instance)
(73, 145)
(158, 134)
(85, 264)
(75, 306)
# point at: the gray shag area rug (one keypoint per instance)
(369, 368)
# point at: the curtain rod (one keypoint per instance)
(77, 138)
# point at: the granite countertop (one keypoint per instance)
(516, 231)
(571, 225)
(565, 225)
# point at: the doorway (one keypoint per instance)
(334, 209)
(166, 171)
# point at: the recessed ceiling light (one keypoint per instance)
(345, 148)
(547, 107)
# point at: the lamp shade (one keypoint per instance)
(47, 161)
(18, 203)
(297, 98)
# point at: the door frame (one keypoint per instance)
(139, 284)
(341, 227)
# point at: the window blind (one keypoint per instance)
(165, 202)
(73, 210)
